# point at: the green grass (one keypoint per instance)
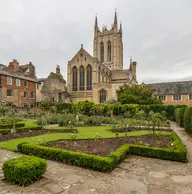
(84, 133)
(29, 123)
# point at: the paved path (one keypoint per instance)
(136, 175)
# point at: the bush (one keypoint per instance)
(106, 163)
(24, 170)
(188, 119)
(7, 131)
(64, 107)
(182, 112)
(69, 157)
(179, 154)
(179, 116)
(17, 125)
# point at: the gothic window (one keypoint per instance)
(109, 51)
(82, 78)
(103, 76)
(103, 96)
(102, 52)
(74, 88)
(89, 77)
(99, 74)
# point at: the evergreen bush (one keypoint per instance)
(24, 170)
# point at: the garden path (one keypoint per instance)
(136, 175)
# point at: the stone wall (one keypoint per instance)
(54, 89)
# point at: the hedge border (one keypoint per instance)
(106, 164)
(7, 131)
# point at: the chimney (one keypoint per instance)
(14, 65)
(58, 70)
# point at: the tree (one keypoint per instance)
(137, 94)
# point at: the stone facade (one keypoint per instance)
(173, 93)
(53, 88)
(18, 85)
(96, 78)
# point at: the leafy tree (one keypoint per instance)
(10, 118)
(3, 110)
(137, 94)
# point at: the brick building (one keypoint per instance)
(174, 92)
(18, 84)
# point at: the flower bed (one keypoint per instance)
(106, 163)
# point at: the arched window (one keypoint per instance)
(103, 76)
(103, 96)
(99, 74)
(89, 77)
(82, 78)
(102, 52)
(74, 88)
(109, 51)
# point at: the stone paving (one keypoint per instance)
(136, 175)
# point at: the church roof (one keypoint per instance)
(183, 87)
(81, 51)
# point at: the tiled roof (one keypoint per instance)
(183, 87)
(17, 76)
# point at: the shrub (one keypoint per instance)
(178, 153)
(24, 170)
(182, 112)
(17, 125)
(64, 107)
(69, 157)
(188, 119)
(119, 154)
(179, 116)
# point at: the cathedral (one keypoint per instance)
(96, 78)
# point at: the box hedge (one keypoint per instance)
(179, 115)
(17, 125)
(24, 170)
(188, 119)
(178, 153)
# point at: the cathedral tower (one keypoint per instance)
(108, 45)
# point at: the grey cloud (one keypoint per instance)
(157, 34)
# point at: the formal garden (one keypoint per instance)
(90, 135)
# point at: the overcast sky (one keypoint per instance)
(156, 33)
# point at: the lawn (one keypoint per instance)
(84, 133)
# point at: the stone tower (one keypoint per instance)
(108, 45)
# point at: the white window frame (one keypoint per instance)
(11, 79)
(176, 95)
(162, 98)
(18, 81)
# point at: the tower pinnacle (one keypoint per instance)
(115, 18)
(96, 23)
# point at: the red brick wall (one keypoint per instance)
(18, 92)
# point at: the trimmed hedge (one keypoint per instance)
(7, 131)
(106, 163)
(179, 115)
(74, 158)
(17, 125)
(188, 119)
(179, 154)
(24, 170)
